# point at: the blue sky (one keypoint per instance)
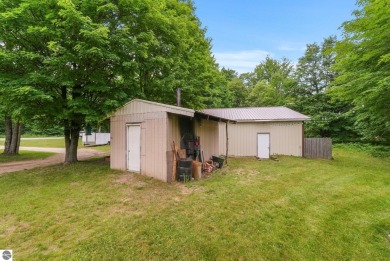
(243, 32)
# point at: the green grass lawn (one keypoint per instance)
(58, 143)
(33, 136)
(44, 143)
(101, 147)
(25, 155)
(294, 209)
(55, 143)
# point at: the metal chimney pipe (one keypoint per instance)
(178, 97)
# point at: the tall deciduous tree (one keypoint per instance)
(239, 93)
(86, 58)
(13, 132)
(235, 91)
(16, 101)
(363, 64)
(271, 82)
(314, 72)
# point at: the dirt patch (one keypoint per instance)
(253, 172)
(12, 229)
(187, 190)
(177, 199)
(239, 171)
(129, 179)
(125, 178)
(9, 231)
(269, 178)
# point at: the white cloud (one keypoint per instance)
(242, 61)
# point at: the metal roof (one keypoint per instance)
(144, 106)
(255, 114)
(207, 116)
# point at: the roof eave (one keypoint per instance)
(169, 108)
(164, 105)
(273, 120)
(206, 116)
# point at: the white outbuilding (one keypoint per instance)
(261, 131)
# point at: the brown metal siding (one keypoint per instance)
(153, 142)
(118, 146)
(153, 155)
(286, 138)
(173, 131)
(208, 132)
(143, 148)
(222, 137)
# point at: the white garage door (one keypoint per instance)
(263, 150)
(134, 148)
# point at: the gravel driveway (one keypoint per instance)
(55, 159)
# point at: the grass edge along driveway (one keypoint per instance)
(292, 209)
(24, 155)
(53, 142)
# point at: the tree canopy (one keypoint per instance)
(363, 64)
(314, 73)
(71, 62)
(79, 60)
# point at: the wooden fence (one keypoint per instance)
(318, 148)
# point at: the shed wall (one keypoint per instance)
(153, 142)
(285, 138)
(153, 156)
(222, 137)
(209, 137)
(173, 131)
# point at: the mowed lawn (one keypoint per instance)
(24, 155)
(54, 143)
(294, 208)
(44, 143)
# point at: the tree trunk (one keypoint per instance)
(12, 136)
(8, 134)
(71, 133)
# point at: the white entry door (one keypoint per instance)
(263, 150)
(134, 148)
